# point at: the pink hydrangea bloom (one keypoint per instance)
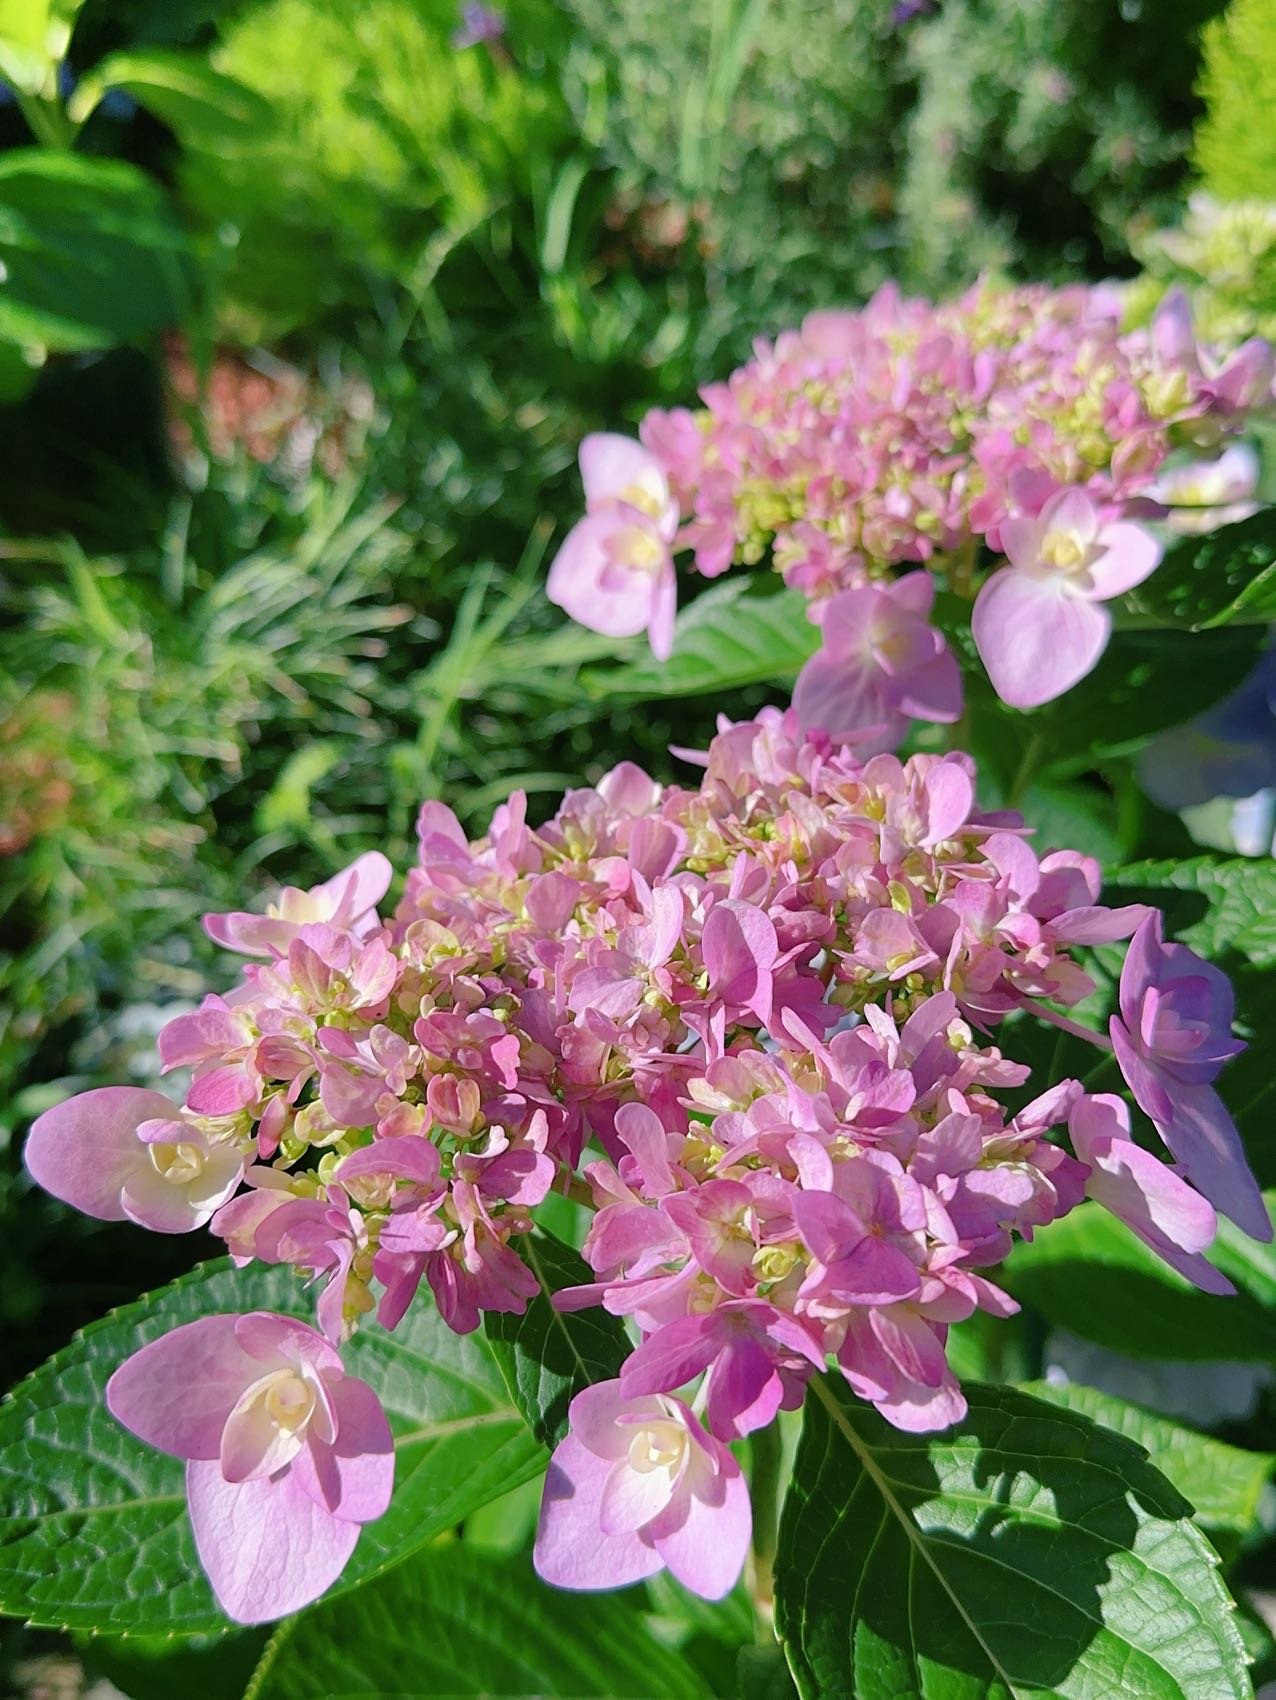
(1039, 624)
(636, 1487)
(881, 664)
(756, 1019)
(287, 1456)
(121, 1153)
(614, 571)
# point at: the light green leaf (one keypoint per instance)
(91, 253)
(547, 1355)
(1225, 578)
(1071, 1269)
(723, 640)
(453, 1621)
(200, 105)
(93, 1526)
(1026, 1553)
(1222, 1482)
(1228, 904)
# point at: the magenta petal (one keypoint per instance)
(707, 1551)
(267, 1548)
(353, 1478)
(571, 1550)
(177, 1393)
(85, 1150)
(1035, 639)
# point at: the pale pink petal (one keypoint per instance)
(591, 584)
(1129, 555)
(610, 463)
(831, 695)
(85, 1150)
(571, 1550)
(253, 1443)
(354, 1476)
(739, 945)
(154, 1203)
(1070, 510)
(267, 1548)
(358, 888)
(177, 1393)
(664, 609)
(923, 1410)
(272, 1340)
(632, 1498)
(707, 1551)
(1035, 638)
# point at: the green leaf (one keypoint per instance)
(1071, 1269)
(1026, 1553)
(1228, 903)
(199, 105)
(92, 255)
(453, 1621)
(547, 1355)
(94, 1533)
(1225, 578)
(1222, 1482)
(723, 640)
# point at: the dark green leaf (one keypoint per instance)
(547, 1355)
(452, 1621)
(1228, 576)
(94, 1533)
(1072, 1268)
(723, 640)
(92, 255)
(1222, 1482)
(1026, 1553)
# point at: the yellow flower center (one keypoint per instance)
(179, 1164)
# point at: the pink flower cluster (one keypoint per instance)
(1020, 421)
(751, 1024)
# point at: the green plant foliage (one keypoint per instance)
(455, 1621)
(1069, 1267)
(94, 1532)
(1235, 148)
(381, 135)
(1027, 1552)
(1226, 578)
(92, 255)
(1222, 1482)
(547, 1356)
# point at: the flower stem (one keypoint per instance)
(767, 1459)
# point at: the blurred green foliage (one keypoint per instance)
(1235, 145)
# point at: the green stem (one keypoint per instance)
(46, 121)
(767, 1459)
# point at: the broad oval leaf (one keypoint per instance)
(199, 104)
(725, 639)
(92, 254)
(93, 1525)
(547, 1355)
(1026, 1553)
(1222, 1482)
(457, 1621)
(1224, 578)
